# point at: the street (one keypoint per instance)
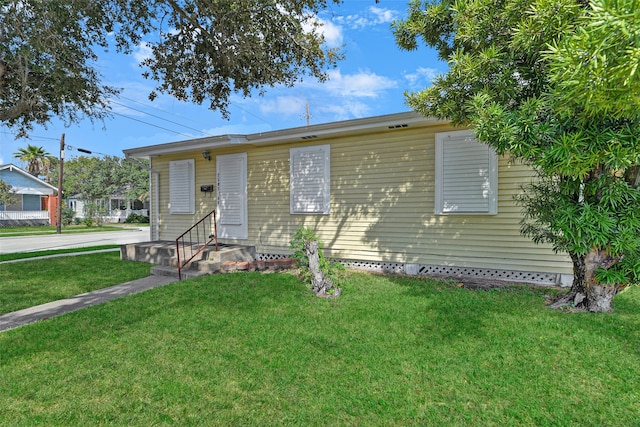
(72, 240)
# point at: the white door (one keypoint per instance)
(232, 196)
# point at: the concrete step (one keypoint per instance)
(163, 270)
(206, 267)
(151, 252)
(234, 253)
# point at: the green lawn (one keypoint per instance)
(36, 254)
(48, 229)
(258, 350)
(29, 283)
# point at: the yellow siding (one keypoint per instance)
(382, 206)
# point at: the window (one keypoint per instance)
(466, 175)
(182, 198)
(309, 170)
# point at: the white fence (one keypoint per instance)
(22, 215)
(118, 215)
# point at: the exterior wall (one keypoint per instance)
(31, 202)
(382, 206)
(17, 179)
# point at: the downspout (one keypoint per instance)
(155, 233)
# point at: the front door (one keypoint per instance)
(232, 196)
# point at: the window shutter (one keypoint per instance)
(182, 198)
(310, 172)
(466, 175)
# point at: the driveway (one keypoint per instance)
(73, 240)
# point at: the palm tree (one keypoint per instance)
(37, 158)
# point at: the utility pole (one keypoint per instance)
(59, 216)
(307, 114)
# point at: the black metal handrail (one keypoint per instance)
(186, 252)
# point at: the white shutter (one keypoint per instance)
(231, 189)
(182, 196)
(310, 180)
(466, 175)
(232, 212)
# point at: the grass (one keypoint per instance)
(30, 283)
(49, 229)
(252, 349)
(36, 254)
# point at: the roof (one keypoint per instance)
(386, 123)
(39, 186)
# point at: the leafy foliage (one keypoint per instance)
(96, 178)
(200, 51)
(333, 270)
(555, 85)
(7, 194)
(38, 160)
(136, 219)
(67, 216)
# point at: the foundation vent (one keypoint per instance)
(546, 279)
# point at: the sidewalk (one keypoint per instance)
(57, 308)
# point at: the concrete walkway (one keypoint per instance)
(57, 308)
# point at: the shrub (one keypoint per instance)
(67, 216)
(137, 219)
(333, 271)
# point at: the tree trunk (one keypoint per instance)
(320, 283)
(586, 293)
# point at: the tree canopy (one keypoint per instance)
(96, 178)
(553, 84)
(7, 194)
(200, 51)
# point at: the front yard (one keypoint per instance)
(258, 349)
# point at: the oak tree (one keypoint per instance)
(200, 51)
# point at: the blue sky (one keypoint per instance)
(370, 81)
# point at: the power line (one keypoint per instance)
(159, 117)
(151, 124)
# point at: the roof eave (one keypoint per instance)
(207, 143)
(386, 123)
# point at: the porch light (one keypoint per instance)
(206, 155)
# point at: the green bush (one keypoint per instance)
(331, 269)
(67, 216)
(137, 219)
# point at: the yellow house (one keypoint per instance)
(395, 193)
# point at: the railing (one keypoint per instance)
(14, 215)
(204, 230)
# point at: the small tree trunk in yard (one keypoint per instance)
(599, 296)
(321, 284)
(586, 293)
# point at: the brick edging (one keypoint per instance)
(259, 265)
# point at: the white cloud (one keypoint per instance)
(372, 16)
(141, 52)
(422, 76)
(364, 84)
(332, 33)
(287, 105)
(344, 110)
(383, 16)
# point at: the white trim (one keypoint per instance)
(319, 132)
(450, 199)
(310, 179)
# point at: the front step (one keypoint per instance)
(209, 261)
(187, 273)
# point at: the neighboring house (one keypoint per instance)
(31, 195)
(399, 193)
(111, 209)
